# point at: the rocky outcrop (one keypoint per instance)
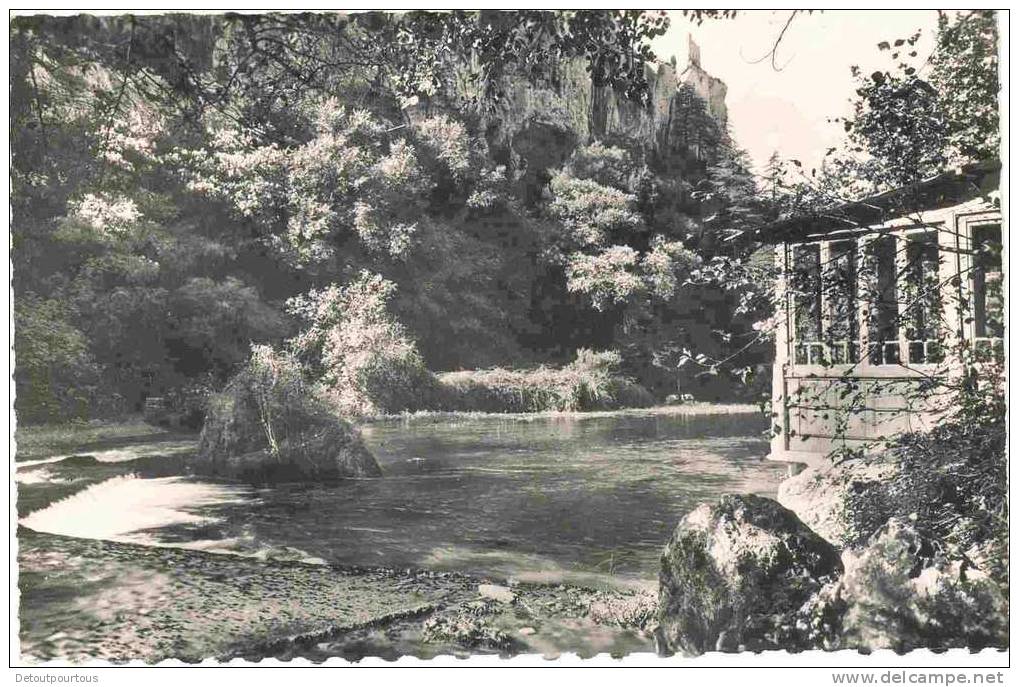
(711, 89)
(901, 593)
(907, 579)
(848, 502)
(536, 126)
(311, 442)
(747, 574)
(735, 574)
(587, 111)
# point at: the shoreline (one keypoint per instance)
(45, 441)
(96, 599)
(698, 408)
(34, 442)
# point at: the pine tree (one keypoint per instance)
(773, 181)
(693, 128)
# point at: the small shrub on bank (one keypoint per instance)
(363, 355)
(591, 382)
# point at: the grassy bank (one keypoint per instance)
(535, 391)
(591, 382)
(40, 441)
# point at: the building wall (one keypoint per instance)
(819, 408)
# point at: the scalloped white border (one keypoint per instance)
(779, 669)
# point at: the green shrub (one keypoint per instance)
(55, 374)
(631, 394)
(363, 355)
(189, 401)
(955, 479)
(607, 165)
(952, 482)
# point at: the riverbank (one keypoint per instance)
(39, 441)
(35, 442)
(92, 599)
(679, 410)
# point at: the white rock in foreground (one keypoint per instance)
(496, 592)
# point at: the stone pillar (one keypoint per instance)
(693, 52)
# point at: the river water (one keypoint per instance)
(580, 499)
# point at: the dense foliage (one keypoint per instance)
(370, 193)
(918, 117)
(185, 186)
(954, 480)
(361, 355)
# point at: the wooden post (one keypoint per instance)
(779, 400)
(824, 264)
(954, 262)
(866, 287)
(900, 249)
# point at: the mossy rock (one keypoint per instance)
(903, 593)
(735, 574)
(312, 443)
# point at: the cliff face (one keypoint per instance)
(588, 112)
(711, 89)
(537, 127)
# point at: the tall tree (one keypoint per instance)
(964, 73)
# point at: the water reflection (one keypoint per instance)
(577, 499)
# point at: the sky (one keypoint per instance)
(788, 110)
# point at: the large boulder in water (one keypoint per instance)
(267, 425)
(735, 575)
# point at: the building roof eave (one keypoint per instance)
(941, 190)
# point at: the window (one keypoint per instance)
(887, 287)
(882, 309)
(988, 297)
(824, 303)
(805, 284)
(921, 298)
(841, 284)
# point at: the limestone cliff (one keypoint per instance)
(536, 126)
(711, 89)
(582, 111)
